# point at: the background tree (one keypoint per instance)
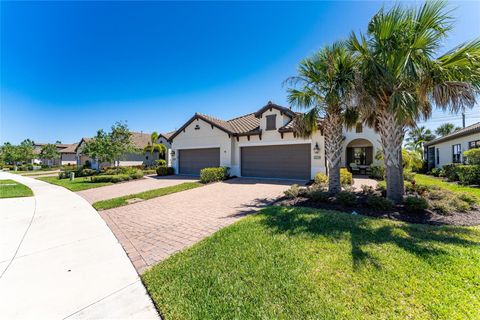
(416, 139)
(400, 79)
(323, 86)
(50, 152)
(25, 151)
(446, 128)
(9, 153)
(109, 146)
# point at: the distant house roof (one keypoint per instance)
(474, 128)
(70, 149)
(243, 125)
(139, 140)
(166, 135)
(61, 147)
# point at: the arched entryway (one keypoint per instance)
(359, 155)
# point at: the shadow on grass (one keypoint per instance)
(423, 241)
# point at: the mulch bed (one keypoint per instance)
(470, 218)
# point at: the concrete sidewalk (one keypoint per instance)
(58, 260)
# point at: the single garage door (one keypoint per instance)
(193, 160)
(285, 161)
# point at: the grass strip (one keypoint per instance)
(122, 201)
(428, 180)
(13, 189)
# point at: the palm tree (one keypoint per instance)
(325, 83)
(154, 146)
(446, 128)
(400, 78)
(417, 137)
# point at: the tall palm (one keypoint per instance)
(400, 78)
(323, 86)
(417, 137)
(446, 128)
(154, 146)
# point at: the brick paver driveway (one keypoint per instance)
(135, 186)
(152, 230)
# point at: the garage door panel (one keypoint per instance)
(191, 161)
(281, 161)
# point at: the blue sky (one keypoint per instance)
(70, 68)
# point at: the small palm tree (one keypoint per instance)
(417, 137)
(153, 146)
(401, 79)
(446, 128)
(323, 87)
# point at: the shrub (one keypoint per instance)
(450, 171)
(468, 198)
(379, 203)
(321, 179)
(435, 172)
(161, 163)
(473, 156)
(165, 171)
(346, 198)
(208, 175)
(415, 204)
(377, 172)
(85, 173)
(366, 189)
(446, 202)
(346, 177)
(292, 192)
(111, 178)
(469, 174)
(408, 175)
(319, 196)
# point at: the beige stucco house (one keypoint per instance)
(67, 154)
(262, 144)
(449, 149)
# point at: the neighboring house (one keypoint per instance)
(449, 149)
(164, 138)
(261, 144)
(139, 140)
(67, 154)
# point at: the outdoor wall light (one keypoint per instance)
(316, 149)
(197, 127)
(172, 153)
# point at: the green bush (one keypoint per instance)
(78, 173)
(473, 156)
(161, 163)
(345, 198)
(165, 171)
(321, 179)
(415, 204)
(408, 175)
(447, 202)
(292, 192)
(346, 177)
(469, 174)
(435, 172)
(111, 178)
(377, 172)
(468, 198)
(379, 203)
(450, 171)
(208, 175)
(319, 196)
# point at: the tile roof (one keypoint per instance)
(474, 128)
(70, 149)
(167, 135)
(140, 139)
(246, 123)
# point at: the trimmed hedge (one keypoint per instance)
(115, 178)
(468, 174)
(208, 175)
(78, 173)
(450, 171)
(165, 171)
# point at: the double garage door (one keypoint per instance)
(282, 161)
(279, 161)
(193, 160)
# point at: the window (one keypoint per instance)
(456, 153)
(438, 156)
(359, 128)
(474, 144)
(271, 122)
(359, 156)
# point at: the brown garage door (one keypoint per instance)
(193, 160)
(285, 161)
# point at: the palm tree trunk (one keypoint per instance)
(391, 135)
(333, 126)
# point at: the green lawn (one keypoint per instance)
(12, 189)
(286, 263)
(121, 201)
(429, 180)
(80, 183)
